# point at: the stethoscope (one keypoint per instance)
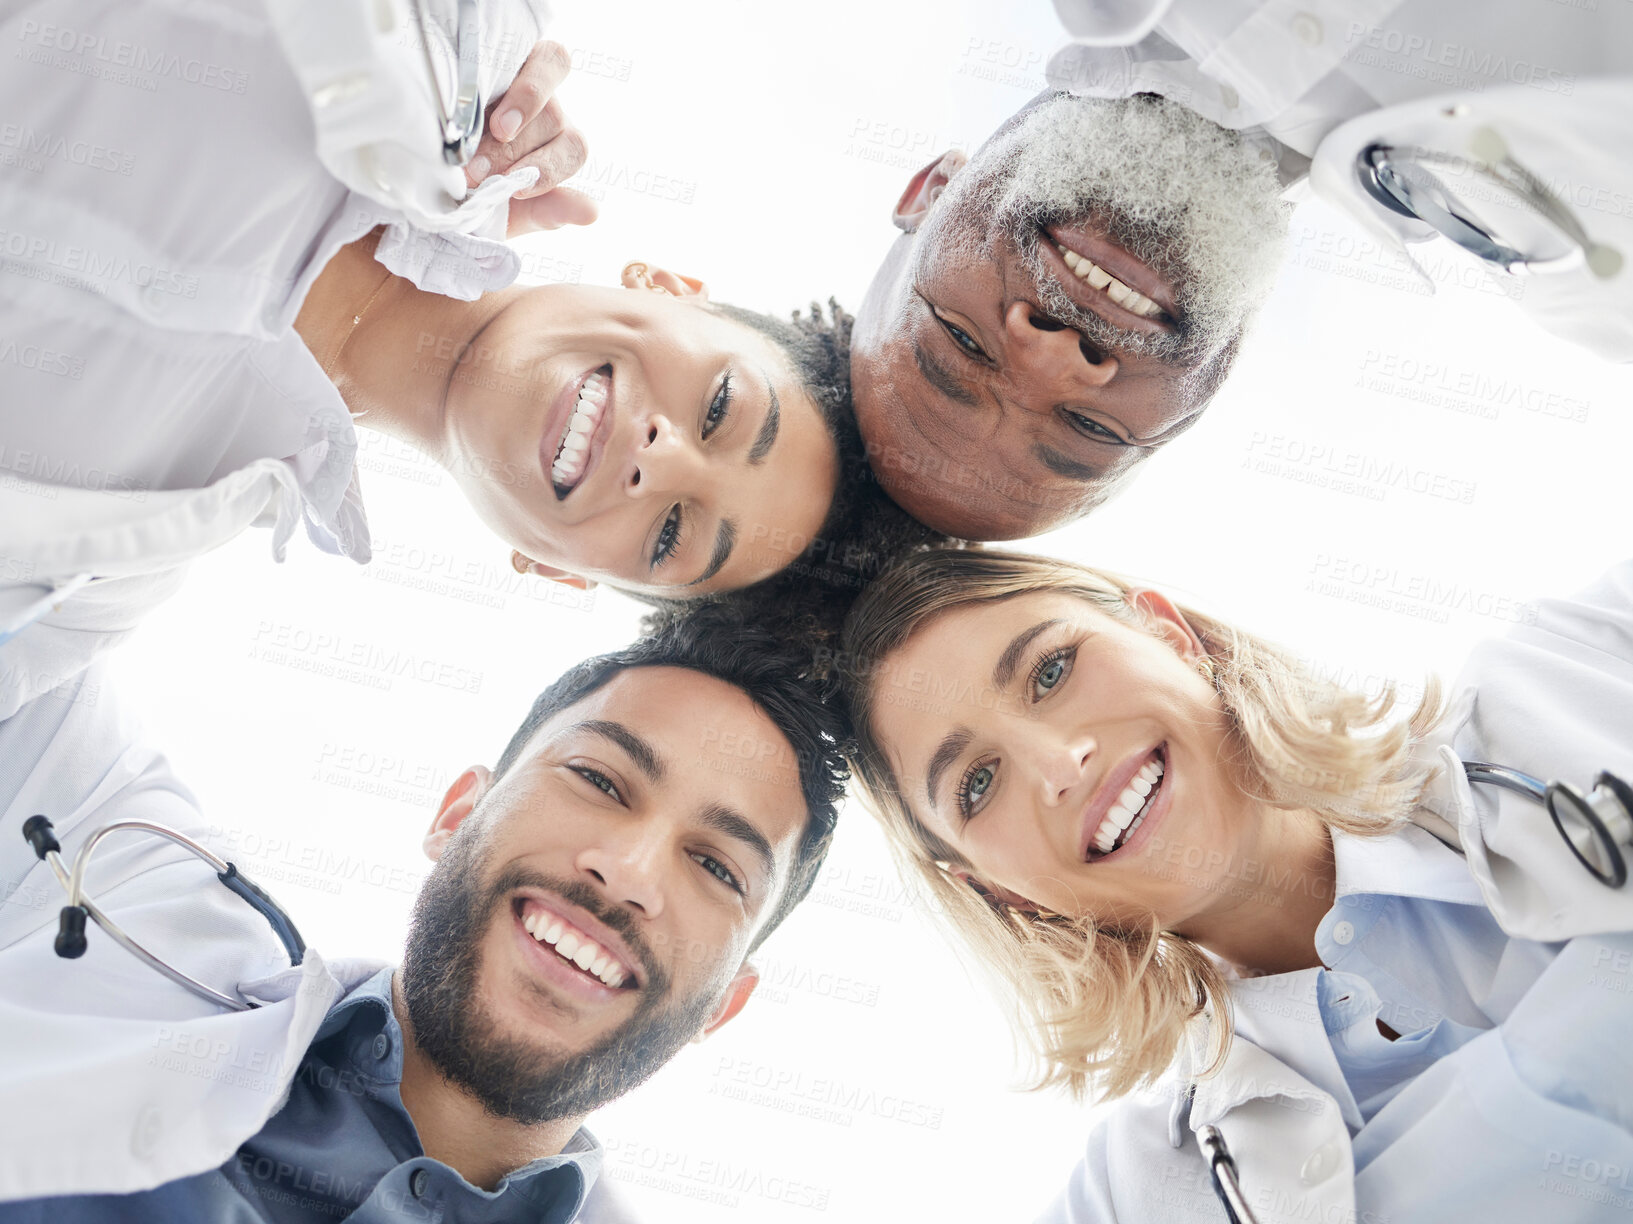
(461, 122)
(1597, 826)
(70, 942)
(1400, 179)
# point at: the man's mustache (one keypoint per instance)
(515, 878)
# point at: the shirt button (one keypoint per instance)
(370, 162)
(382, 1047)
(1229, 97)
(1343, 933)
(1323, 1161)
(1308, 28)
(147, 1132)
(418, 1180)
(339, 90)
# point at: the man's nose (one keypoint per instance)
(663, 461)
(1047, 352)
(628, 862)
(1062, 762)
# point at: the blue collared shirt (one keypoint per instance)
(342, 1148)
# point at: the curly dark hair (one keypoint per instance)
(864, 531)
(779, 679)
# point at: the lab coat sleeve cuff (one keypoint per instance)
(461, 266)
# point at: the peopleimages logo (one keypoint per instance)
(85, 51)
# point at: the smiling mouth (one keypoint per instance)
(1129, 809)
(1089, 260)
(579, 950)
(584, 425)
(1096, 277)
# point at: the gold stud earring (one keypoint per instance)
(636, 275)
(1210, 672)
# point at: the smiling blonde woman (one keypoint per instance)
(1195, 866)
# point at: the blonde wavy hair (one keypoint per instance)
(1101, 1008)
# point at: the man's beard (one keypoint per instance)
(524, 1081)
(1181, 194)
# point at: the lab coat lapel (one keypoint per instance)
(1287, 1136)
(1529, 879)
(115, 1105)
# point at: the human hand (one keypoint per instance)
(526, 127)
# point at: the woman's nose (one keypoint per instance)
(662, 460)
(1053, 352)
(1063, 763)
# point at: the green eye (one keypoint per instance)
(976, 782)
(1051, 671)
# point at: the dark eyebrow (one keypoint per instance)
(941, 378)
(945, 754)
(723, 541)
(644, 755)
(767, 437)
(1061, 465)
(1004, 672)
(734, 825)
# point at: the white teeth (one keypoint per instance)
(1128, 809)
(1099, 278)
(584, 953)
(574, 447)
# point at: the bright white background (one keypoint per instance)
(760, 146)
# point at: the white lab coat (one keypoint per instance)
(1325, 79)
(1496, 1132)
(112, 1078)
(175, 178)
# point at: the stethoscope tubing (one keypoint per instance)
(70, 942)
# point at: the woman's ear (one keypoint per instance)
(458, 803)
(640, 275)
(925, 188)
(1167, 622)
(523, 564)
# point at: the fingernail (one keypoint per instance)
(505, 125)
(478, 168)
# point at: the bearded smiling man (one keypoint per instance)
(1060, 307)
(593, 904)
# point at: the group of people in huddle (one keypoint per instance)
(1264, 913)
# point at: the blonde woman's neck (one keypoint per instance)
(1266, 918)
